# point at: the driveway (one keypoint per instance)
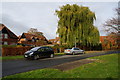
(17, 66)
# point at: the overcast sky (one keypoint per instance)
(19, 17)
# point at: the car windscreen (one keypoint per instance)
(35, 49)
(67, 49)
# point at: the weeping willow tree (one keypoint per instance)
(76, 25)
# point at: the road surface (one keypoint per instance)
(11, 67)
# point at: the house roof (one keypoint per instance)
(29, 36)
(1, 26)
(54, 40)
(51, 40)
(10, 33)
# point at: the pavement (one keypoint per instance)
(11, 67)
(73, 64)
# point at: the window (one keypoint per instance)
(5, 36)
(0, 35)
(24, 39)
(5, 43)
(41, 49)
(33, 40)
(58, 42)
(35, 49)
(47, 49)
(76, 48)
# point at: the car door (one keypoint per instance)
(76, 50)
(41, 52)
(80, 51)
(46, 52)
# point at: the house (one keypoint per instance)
(55, 41)
(109, 42)
(7, 37)
(32, 39)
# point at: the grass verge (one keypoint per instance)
(12, 57)
(20, 57)
(106, 66)
(87, 52)
(56, 54)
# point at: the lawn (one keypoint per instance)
(58, 54)
(21, 56)
(105, 66)
(12, 57)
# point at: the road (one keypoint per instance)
(22, 65)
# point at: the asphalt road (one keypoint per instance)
(17, 66)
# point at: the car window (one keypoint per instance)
(48, 49)
(35, 49)
(41, 49)
(76, 49)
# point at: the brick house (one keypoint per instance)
(109, 42)
(32, 39)
(7, 37)
(55, 41)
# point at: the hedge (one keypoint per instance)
(13, 51)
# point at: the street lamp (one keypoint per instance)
(75, 41)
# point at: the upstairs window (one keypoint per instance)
(5, 36)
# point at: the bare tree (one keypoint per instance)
(32, 30)
(113, 25)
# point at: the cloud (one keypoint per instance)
(13, 25)
(20, 17)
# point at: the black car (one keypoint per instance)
(38, 52)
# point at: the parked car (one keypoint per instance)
(38, 52)
(74, 50)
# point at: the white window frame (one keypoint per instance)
(5, 43)
(6, 36)
(33, 40)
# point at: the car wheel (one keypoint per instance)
(83, 52)
(36, 57)
(73, 53)
(51, 55)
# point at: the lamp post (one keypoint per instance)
(75, 41)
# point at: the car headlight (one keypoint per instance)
(31, 53)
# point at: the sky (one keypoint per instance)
(19, 17)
